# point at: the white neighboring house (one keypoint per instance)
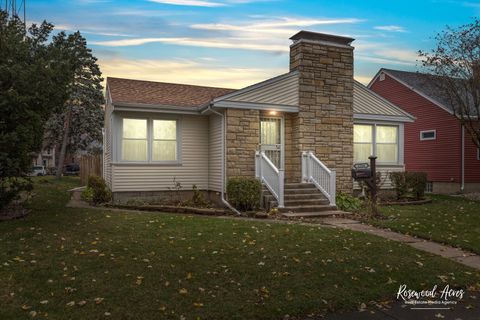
(155, 131)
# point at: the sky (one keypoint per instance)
(235, 43)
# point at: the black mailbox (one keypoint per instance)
(361, 171)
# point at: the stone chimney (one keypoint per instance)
(324, 123)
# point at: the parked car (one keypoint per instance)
(72, 169)
(37, 171)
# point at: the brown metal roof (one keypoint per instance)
(161, 93)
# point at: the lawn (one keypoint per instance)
(450, 220)
(61, 263)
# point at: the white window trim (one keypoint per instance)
(400, 140)
(149, 161)
(428, 131)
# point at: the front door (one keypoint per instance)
(271, 139)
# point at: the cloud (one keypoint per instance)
(184, 71)
(266, 35)
(390, 28)
(191, 3)
(224, 43)
(363, 79)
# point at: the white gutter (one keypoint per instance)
(225, 202)
(462, 188)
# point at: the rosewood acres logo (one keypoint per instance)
(430, 299)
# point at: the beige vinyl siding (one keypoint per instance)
(215, 153)
(384, 170)
(108, 145)
(281, 90)
(193, 167)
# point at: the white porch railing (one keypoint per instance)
(271, 176)
(314, 171)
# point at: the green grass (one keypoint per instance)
(162, 266)
(450, 220)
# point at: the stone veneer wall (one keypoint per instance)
(325, 121)
(242, 140)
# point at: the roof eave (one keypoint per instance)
(381, 117)
(136, 107)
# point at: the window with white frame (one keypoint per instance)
(428, 135)
(149, 140)
(375, 139)
(164, 145)
(134, 140)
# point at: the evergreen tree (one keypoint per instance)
(79, 123)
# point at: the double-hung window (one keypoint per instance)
(135, 140)
(375, 139)
(149, 140)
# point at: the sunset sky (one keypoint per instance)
(234, 43)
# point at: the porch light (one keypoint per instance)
(272, 113)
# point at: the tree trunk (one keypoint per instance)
(63, 149)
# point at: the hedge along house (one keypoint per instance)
(295, 131)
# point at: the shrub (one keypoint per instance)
(417, 182)
(98, 189)
(87, 195)
(11, 188)
(244, 193)
(399, 182)
(409, 183)
(197, 198)
(346, 202)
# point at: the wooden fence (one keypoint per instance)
(90, 165)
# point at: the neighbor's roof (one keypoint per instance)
(423, 84)
(367, 102)
(161, 93)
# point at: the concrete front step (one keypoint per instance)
(289, 186)
(302, 191)
(306, 208)
(297, 197)
(303, 202)
(327, 213)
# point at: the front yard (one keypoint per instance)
(450, 220)
(94, 264)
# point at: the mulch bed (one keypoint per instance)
(174, 209)
(406, 202)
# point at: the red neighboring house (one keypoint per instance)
(435, 143)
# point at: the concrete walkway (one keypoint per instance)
(464, 257)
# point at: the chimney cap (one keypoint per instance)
(321, 37)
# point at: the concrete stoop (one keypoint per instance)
(302, 200)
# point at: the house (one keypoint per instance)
(436, 142)
(295, 131)
(47, 158)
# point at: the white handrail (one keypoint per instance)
(316, 172)
(271, 176)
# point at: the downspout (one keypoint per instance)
(224, 201)
(462, 188)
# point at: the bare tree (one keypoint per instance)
(454, 69)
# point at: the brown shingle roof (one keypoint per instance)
(162, 93)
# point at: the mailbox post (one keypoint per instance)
(368, 173)
(373, 185)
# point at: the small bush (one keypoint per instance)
(399, 182)
(346, 202)
(197, 198)
(409, 184)
(97, 191)
(417, 182)
(87, 195)
(244, 193)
